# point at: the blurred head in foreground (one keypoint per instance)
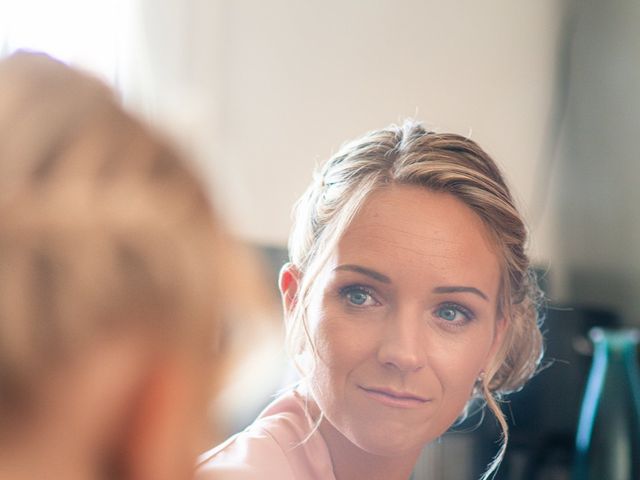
(110, 285)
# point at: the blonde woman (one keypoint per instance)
(408, 295)
(111, 286)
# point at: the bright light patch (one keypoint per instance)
(89, 33)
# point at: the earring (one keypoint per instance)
(479, 386)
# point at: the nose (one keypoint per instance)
(402, 343)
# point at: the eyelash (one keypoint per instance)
(464, 311)
(346, 291)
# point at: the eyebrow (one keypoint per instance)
(384, 279)
(460, 288)
(365, 271)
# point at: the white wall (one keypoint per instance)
(597, 233)
(291, 80)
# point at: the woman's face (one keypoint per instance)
(403, 317)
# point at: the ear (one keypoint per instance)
(289, 282)
(166, 423)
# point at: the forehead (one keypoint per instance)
(410, 229)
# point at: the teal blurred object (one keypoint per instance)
(608, 436)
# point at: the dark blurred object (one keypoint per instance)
(608, 437)
(543, 417)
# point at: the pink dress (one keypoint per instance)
(273, 447)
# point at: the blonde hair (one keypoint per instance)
(440, 162)
(104, 230)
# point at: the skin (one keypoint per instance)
(403, 317)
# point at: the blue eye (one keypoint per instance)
(453, 313)
(358, 296)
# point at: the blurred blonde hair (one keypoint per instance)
(440, 162)
(104, 230)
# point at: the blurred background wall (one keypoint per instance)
(263, 91)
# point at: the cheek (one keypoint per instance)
(338, 338)
(337, 353)
(341, 349)
(458, 369)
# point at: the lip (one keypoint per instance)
(394, 398)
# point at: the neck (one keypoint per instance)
(350, 462)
